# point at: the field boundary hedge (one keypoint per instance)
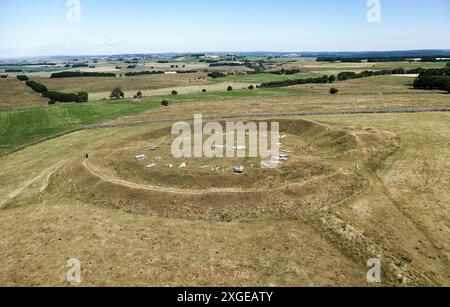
(76, 74)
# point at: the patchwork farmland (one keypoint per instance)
(94, 178)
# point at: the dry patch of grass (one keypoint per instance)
(15, 94)
(124, 236)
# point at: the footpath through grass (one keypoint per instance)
(21, 127)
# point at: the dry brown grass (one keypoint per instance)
(15, 94)
(296, 103)
(383, 194)
(126, 237)
(100, 84)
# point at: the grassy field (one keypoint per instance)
(355, 187)
(47, 121)
(239, 93)
(66, 211)
(359, 94)
(372, 85)
(34, 69)
(20, 127)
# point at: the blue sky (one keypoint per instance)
(30, 27)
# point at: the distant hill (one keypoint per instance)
(340, 54)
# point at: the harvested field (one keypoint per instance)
(14, 94)
(133, 84)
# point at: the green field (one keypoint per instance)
(233, 94)
(265, 77)
(20, 127)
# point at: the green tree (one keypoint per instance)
(117, 93)
(332, 79)
(84, 96)
(333, 91)
(22, 78)
(37, 87)
(230, 88)
(216, 74)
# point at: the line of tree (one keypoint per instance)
(225, 64)
(57, 96)
(339, 59)
(29, 64)
(433, 83)
(37, 87)
(257, 67)
(79, 65)
(209, 61)
(22, 78)
(434, 79)
(436, 72)
(187, 71)
(323, 79)
(346, 75)
(286, 72)
(65, 97)
(73, 74)
(434, 58)
(216, 74)
(141, 73)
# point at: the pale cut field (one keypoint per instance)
(15, 94)
(106, 84)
